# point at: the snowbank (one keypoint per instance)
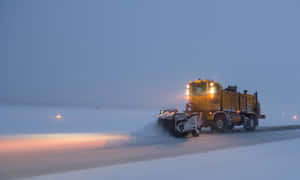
(41, 120)
(37, 120)
(274, 161)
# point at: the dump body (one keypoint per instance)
(235, 101)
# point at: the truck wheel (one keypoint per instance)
(249, 123)
(220, 123)
(195, 133)
(253, 123)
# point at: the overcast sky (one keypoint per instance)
(137, 53)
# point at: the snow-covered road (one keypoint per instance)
(269, 161)
(46, 140)
(93, 150)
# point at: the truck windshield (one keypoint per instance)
(198, 89)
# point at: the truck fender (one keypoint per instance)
(253, 114)
(227, 116)
(220, 113)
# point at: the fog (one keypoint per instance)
(136, 53)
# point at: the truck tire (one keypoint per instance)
(253, 122)
(195, 133)
(220, 123)
(249, 123)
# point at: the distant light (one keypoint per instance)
(295, 117)
(58, 116)
(211, 84)
(188, 86)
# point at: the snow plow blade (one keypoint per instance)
(179, 124)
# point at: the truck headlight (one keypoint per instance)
(212, 90)
(187, 92)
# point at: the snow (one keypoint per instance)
(278, 160)
(59, 142)
(43, 120)
(112, 127)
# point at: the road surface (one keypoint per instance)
(32, 156)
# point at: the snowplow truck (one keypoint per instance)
(209, 105)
